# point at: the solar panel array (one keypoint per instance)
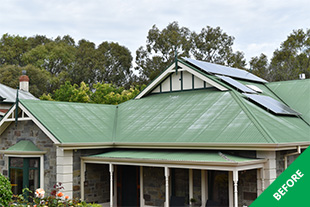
(272, 104)
(224, 70)
(236, 84)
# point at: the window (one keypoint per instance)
(24, 173)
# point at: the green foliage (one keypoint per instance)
(61, 60)
(259, 66)
(5, 191)
(292, 59)
(102, 93)
(211, 44)
(40, 80)
(215, 46)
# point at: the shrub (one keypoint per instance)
(5, 191)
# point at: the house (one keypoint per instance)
(199, 134)
(8, 94)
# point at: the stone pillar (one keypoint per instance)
(64, 169)
(270, 172)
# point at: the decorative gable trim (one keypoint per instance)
(171, 74)
(24, 115)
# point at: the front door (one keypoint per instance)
(128, 186)
(24, 173)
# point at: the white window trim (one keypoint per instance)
(7, 156)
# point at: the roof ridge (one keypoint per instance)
(252, 117)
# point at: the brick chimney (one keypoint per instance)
(24, 82)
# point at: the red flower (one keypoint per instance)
(66, 197)
(60, 194)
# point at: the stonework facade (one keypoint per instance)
(27, 130)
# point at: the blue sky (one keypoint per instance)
(258, 26)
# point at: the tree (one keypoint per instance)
(211, 44)
(114, 64)
(11, 50)
(85, 64)
(54, 57)
(160, 49)
(215, 46)
(102, 93)
(259, 66)
(293, 57)
(40, 80)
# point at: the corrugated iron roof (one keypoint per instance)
(9, 94)
(295, 93)
(204, 116)
(179, 156)
(74, 122)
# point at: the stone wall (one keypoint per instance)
(154, 186)
(247, 187)
(97, 183)
(77, 154)
(27, 130)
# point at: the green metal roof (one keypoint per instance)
(295, 93)
(204, 116)
(179, 156)
(24, 146)
(74, 122)
(201, 117)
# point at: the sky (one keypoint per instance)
(259, 26)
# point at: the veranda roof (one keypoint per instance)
(186, 157)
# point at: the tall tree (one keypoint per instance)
(215, 46)
(259, 66)
(160, 49)
(39, 80)
(114, 64)
(12, 48)
(211, 44)
(293, 57)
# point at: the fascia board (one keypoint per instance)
(179, 164)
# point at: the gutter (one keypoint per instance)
(202, 146)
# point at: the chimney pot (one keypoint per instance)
(24, 82)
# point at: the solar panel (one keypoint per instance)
(224, 70)
(272, 104)
(236, 84)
